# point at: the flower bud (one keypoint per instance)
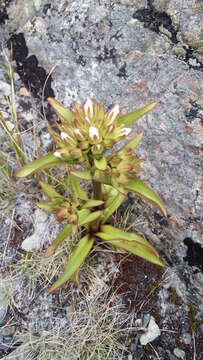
(97, 149)
(125, 131)
(79, 134)
(112, 115)
(75, 153)
(124, 166)
(88, 108)
(58, 154)
(93, 133)
(84, 145)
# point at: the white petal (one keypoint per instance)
(87, 119)
(88, 106)
(93, 132)
(78, 133)
(65, 136)
(113, 114)
(125, 131)
(57, 154)
(111, 128)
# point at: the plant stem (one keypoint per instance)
(97, 195)
(97, 190)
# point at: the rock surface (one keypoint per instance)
(152, 332)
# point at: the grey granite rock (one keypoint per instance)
(3, 302)
(151, 333)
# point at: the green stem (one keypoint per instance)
(97, 195)
(97, 190)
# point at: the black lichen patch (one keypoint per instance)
(191, 56)
(32, 75)
(153, 19)
(80, 60)
(3, 12)
(194, 254)
(107, 54)
(122, 72)
(194, 113)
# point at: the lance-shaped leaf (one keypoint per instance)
(82, 215)
(78, 191)
(109, 232)
(85, 175)
(100, 164)
(114, 203)
(132, 144)
(17, 144)
(49, 190)
(132, 117)
(141, 250)
(50, 205)
(89, 218)
(62, 112)
(59, 239)
(76, 259)
(92, 203)
(144, 192)
(44, 162)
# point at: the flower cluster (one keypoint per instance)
(89, 134)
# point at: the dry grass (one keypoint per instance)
(96, 323)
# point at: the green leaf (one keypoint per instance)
(100, 164)
(109, 232)
(85, 175)
(44, 162)
(92, 203)
(78, 191)
(131, 117)
(76, 259)
(135, 248)
(16, 145)
(91, 217)
(144, 192)
(132, 144)
(82, 215)
(49, 190)
(62, 112)
(115, 202)
(49, 206)
(59, 239)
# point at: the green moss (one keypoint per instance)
(194, 323)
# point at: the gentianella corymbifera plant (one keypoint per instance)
(85, 141)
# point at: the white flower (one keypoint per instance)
(113, 114)
(111, 128)
(87, 119)
(93, 132)
(88, 106)
(78, 133)
(125, 131)
(57, 154)
(65, 136)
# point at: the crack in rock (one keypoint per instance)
(154, 20)
(194, 254)
(3, 12)
(32, 75)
